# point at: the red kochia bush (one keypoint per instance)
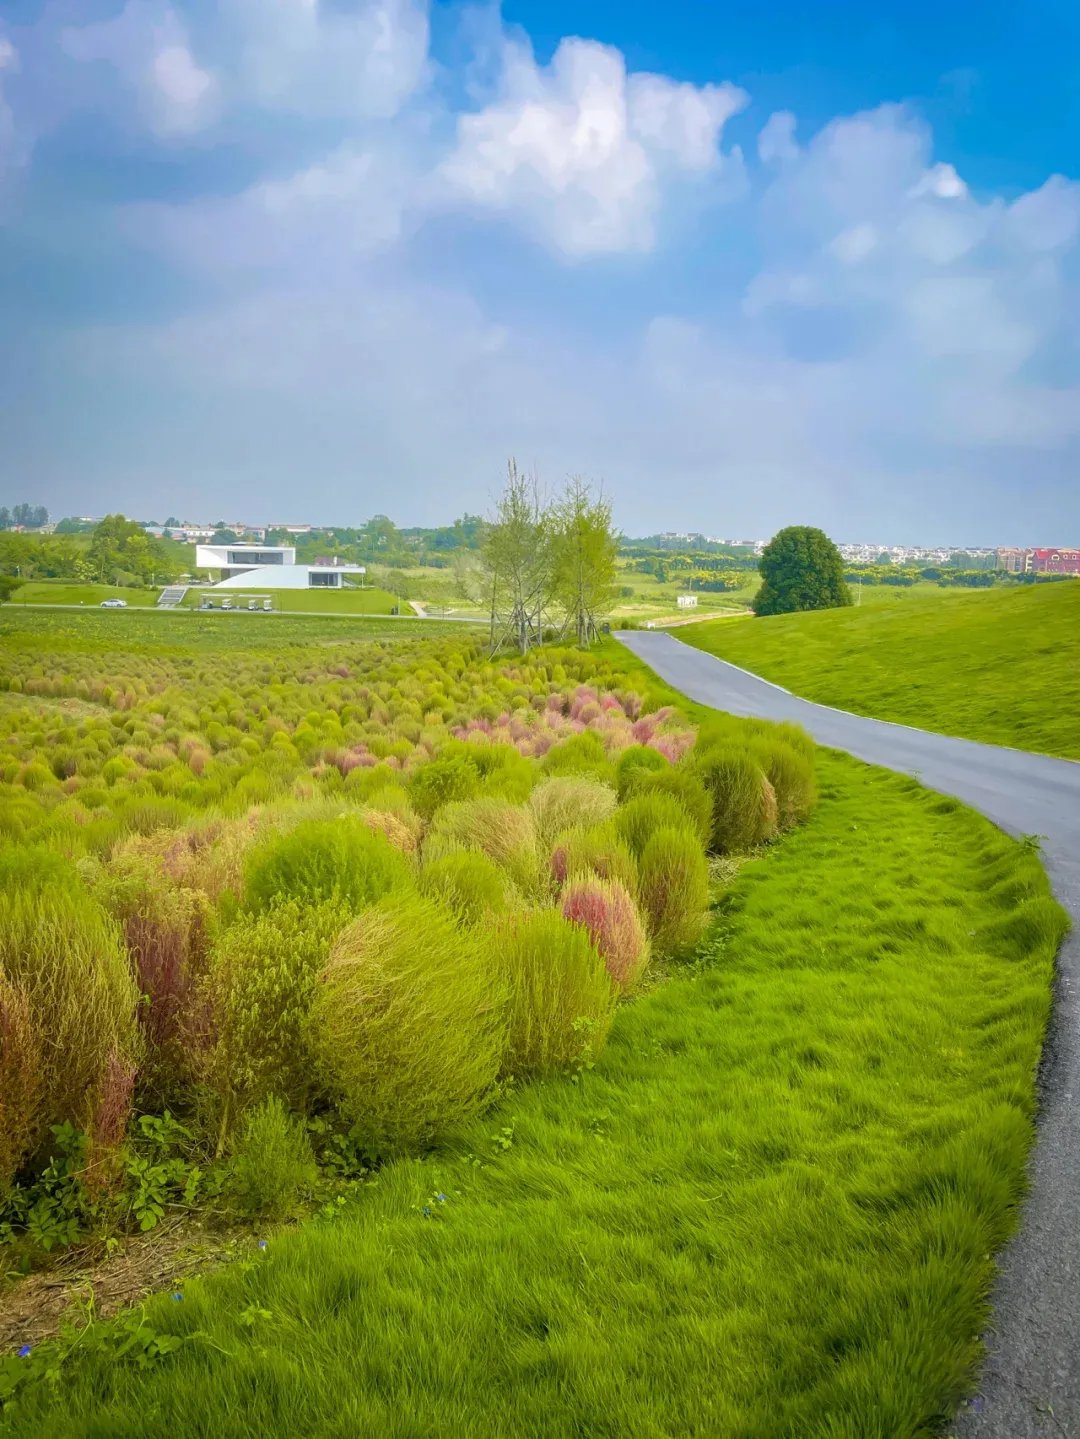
(606, 910)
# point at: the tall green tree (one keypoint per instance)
(122, 549)
(585, 547)
(517, 562)
(801, 569)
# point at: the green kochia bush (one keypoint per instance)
(273, 1165)
(340, 861)
(568, 802)
(790, 771)
(67, 1009)
(443, 780)
(409, 1023)
(562, 999)
(744, 802)
(469, 883)
(257, 995)
(504, 832)
(633, 761)
(598, 851)
(639, 818)
(582, 754)
(674, 889)
(685, 785)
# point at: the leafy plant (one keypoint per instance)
(273, 1165)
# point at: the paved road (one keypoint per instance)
(1030, 1388)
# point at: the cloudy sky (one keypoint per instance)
(748, 265)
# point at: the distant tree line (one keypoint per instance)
(120, 552)
(30, 517)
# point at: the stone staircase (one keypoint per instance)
(171, 596)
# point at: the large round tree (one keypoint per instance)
(801, 569)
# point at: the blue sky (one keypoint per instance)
(322, 258)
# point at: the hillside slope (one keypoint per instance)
(1001, 667)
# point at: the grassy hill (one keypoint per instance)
(1000, 666)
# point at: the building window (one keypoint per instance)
(328, 581)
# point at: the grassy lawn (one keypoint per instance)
(653, 600)
(769, 1211)
(60, 592)
(1001, 665)
(170, 631)
(345, 602)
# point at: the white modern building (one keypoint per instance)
(270, 567)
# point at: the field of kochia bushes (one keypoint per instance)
(323, 903)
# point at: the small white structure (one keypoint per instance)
(687, 602)
(270, 567)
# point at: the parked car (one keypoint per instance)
(207, 604)
(114, 604)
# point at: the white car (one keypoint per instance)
(114, 604)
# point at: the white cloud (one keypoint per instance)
(578, 152)
(1047, 218)
(776, 143)
(9, 63)
(315, 59)
(302, 57)
(940, 181)
(855, 244)
(148, 46)
(319, 220)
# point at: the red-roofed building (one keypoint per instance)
(1055, 562)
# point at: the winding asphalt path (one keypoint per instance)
(1030, 1387)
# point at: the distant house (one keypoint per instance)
(1039, 561)
(687, 602)
(270, 567)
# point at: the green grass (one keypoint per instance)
(60, 592)
(170, 632)
(349, 601)
(1001, 666)
(345, 602)
(769, 1211)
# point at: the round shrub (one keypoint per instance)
(632, 762)
(468, 882)
(582, 754)
(256, 997)
(609, 914)
(685, 786)
(504, 832)
(598, 851)
(639, 818)
(69, 998)
(409, 1023)
(441, 781)
(567, 802)
(744, 802)
(791, 773)
(338, 861)
(674, 889)
(561, 998)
